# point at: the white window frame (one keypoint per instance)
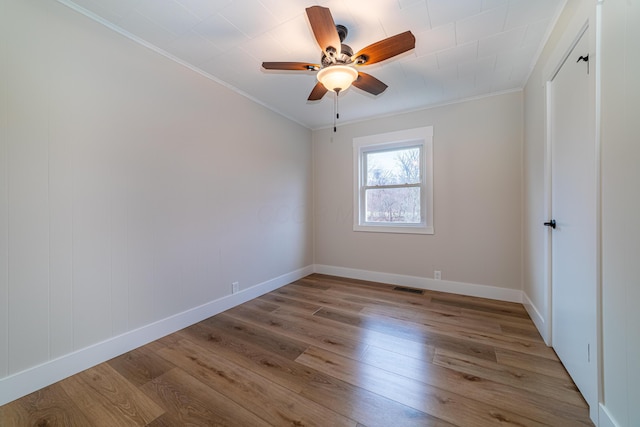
(418, 137)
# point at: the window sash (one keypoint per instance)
(391, 148)
(403, 210)
(370, 151)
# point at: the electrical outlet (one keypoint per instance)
(235, 287)
(437, 274)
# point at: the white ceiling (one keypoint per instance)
(464, 48)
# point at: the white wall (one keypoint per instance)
(621, 204)
(477, 197)
(131, 188)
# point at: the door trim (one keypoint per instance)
(547, 214)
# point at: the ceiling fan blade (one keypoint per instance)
(370, 84)
(324, 29)
(385, 49)
(296, 66)
(317, 93)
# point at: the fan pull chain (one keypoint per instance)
(335, 111)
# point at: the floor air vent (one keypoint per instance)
(410, 290)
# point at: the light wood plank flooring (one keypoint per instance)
(327, 351)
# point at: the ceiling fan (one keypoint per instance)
(337, 68)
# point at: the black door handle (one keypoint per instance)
(551, 223)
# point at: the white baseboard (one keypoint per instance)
(538, 319)
(470, 289)
(37, 377)
(605, 419)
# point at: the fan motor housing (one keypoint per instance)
(342, 32)
(345, 50)
(344, 58)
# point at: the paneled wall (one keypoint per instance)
(131, 188)
(620, 207)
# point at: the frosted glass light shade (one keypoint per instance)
(337, 78)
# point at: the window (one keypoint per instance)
(393, 177)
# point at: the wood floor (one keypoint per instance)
(327, 351)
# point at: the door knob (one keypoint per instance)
(551, 223)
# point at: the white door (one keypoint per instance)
(573, 206)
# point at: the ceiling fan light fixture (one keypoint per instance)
(337, 78)
(337, 68)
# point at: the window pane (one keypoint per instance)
(393, 167)
(399, 205)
